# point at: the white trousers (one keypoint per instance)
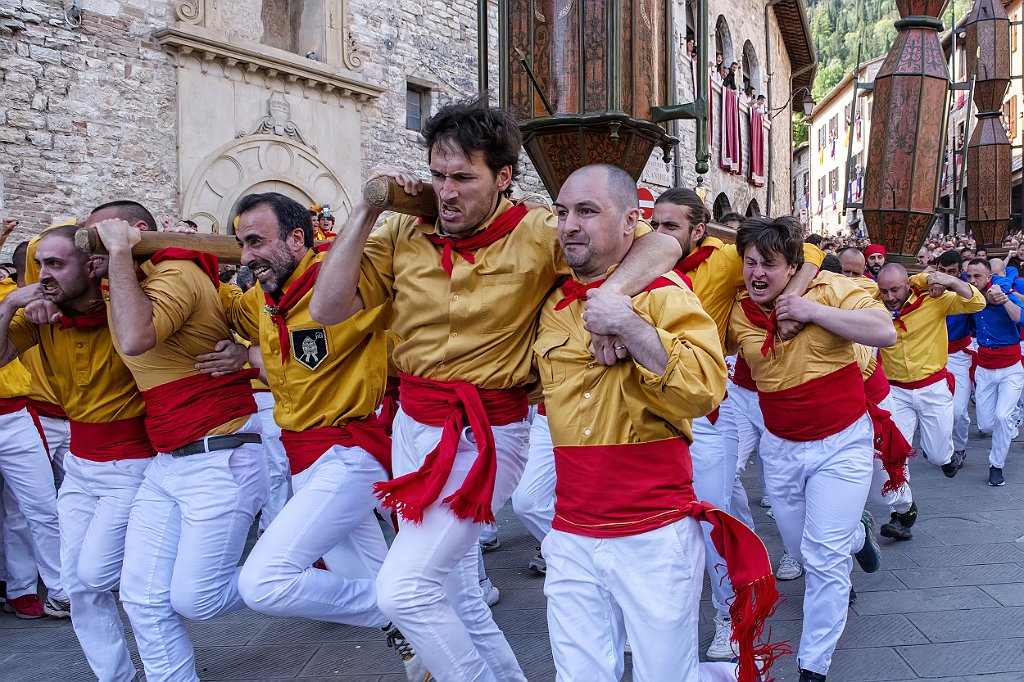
(429, 585)
(279, 475)
(533, 500)
(714, 474)
(643, 587)
(186, 533)
(26, 471)
(331, 511)
(996, 395)
(17, 565)
(959, 365)
(94, 502)
(818, 490)
(901, 500)
(932, 408)
(741, 424)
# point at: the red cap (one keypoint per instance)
(872, 249)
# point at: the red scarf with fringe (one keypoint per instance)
(891, 448)
(654, 488)
(451, 405)
(897, 318)
(306, 447)
(694, 260)
(466, 246)
(759, 319)
(278, 309)
(207, 262)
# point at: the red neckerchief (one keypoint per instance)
(207, 262)
(906, 310)
(465, 246)
(576, 291)
(694, 260)
(769, 323)
(97, 318)
(278, 309)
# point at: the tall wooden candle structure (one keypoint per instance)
(989, 153)
(901, 181)
(583, 77)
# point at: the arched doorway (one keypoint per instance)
(723, 40)
(751, 68)
(721, 206)
(753, 210)
(260, 163)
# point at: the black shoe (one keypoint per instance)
(895, 530)
(808, 676)
(995, 476)
(853, 596)
(870, 556)
(960, 456)
(951, 468)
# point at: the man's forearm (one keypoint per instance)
(336, 295)
(1013, 310)
(868, 326)
(644, 344)
(648, 258)
(7, 349)
(962, 288)
(799, 282)
(131, 312)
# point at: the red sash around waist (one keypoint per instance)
(817, 408)
(930, 379)
(998, 358)
(389, 408)
(741, 375)
(306, 447)
(11, 405)
(959, 345)
(111, 441)
(876, 386)
(542, 409)
(45, 409)
(185, 410)
(451, 404)
(653, 487)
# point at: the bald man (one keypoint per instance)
(852, 262)
(916, 365)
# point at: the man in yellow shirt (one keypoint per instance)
(327, 384)
(110, 449)
(818, 446)
(28, 479)
(624, 494)
(715, 271)
(466, 291)
(916, 365)
(192, 514)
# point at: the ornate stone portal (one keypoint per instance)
(255, 118)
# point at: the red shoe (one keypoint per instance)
(26, 606)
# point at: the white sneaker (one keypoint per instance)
(721, 646)
(56, 608)
(789, 568)
(491, 593)
(765, 502)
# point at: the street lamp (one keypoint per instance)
(808, 103)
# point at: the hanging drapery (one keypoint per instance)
(731, 150)
(756, 177)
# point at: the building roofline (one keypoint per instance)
(842, 85)
(791, 16)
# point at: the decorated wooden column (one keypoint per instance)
(901, 181)
(583, 76)
(989, 153)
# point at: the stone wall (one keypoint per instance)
(86, 114)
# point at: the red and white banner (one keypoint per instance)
(731, 147)
(756, 148)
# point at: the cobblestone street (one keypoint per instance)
(947, 605)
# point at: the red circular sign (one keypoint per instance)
(646, 202)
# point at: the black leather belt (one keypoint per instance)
(213, 443)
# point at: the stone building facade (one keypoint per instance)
(186, 105)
